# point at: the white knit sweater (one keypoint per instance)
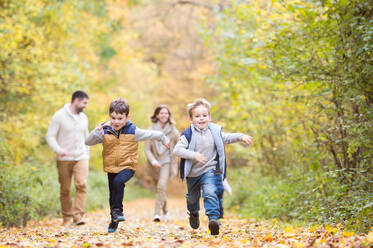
(68, 132)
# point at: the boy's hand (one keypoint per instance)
(247, 139)
(107, 123)
(101, 125)
(200, 158)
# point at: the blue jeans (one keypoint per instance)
(116, 187)
(206, 182)
(220, 192)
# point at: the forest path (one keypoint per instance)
(140, 231)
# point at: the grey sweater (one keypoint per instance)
(206, 146)
(97, 137)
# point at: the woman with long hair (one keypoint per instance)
(161, 163)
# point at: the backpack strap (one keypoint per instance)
(188, 135)
(217, 169)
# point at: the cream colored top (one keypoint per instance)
(68, 132)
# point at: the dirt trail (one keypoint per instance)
(140, 231)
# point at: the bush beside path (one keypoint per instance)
(140, 231)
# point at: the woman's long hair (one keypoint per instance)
(158, 109)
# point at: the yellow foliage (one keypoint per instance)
(348, 234)
(369, 237)
(289, 231)
(331, 229)
(48, 51)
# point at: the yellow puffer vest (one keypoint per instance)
(120, 149)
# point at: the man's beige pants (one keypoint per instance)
(66, 170)
(160, 179)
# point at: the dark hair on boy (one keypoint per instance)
(158, 109)
(196, 103)
(119, 106)
(79, 94)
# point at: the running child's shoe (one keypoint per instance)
(112, 227)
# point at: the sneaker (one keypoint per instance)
(112, 227)
(156, 218)
(214, 227)
(118, 218)
(194, 220)
(165, 217)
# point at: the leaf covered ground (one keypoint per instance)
(139, 231)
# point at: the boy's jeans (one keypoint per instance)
(220, 192)
(206, 182)
(116, 187)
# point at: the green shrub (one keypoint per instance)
(97, 192)
(32, 192)
(27, 192)
(312, 197)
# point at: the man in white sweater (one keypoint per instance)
(66, 136)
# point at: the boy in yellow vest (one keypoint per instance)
(120, 138)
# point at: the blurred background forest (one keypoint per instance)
(296, 75)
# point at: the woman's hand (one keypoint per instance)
(167, 143)
(157, 165)
(200, 158)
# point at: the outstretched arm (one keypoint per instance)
(96, 136)
(141, 134)
(247, 139)
(229, 138)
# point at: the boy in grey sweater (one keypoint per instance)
(201, 148)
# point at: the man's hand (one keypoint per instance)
(62, 153)
(247, 139)
(200, 158)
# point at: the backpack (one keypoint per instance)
(188, 135)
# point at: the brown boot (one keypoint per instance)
(67, 222)
(80, 222)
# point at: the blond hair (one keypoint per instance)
(196, 103)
